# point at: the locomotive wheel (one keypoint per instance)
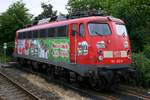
(115, 83)
(81, 81)
(50, 73)
(21, 62)
(99, 84)
(72, 77)
(93, 82)
(35, 66)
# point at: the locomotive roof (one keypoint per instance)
(66, 22)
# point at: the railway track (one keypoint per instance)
(122, 90)
(82, 91)
(87, 93)
(119, 94)
(10, 90)
(141, 94)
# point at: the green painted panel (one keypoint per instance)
(55, 49)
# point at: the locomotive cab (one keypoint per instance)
(100, 41)
(111, 43)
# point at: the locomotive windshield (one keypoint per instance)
(98, 29)
(121, 29)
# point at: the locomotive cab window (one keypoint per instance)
(121, 29)
(73, 29)
(98, 29)
(81, 30)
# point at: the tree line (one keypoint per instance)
(135, 13)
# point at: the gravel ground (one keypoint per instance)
(62, 92)
(46, 89)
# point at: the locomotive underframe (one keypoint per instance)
(98, 75)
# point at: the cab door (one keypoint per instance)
(73, 42)
(82, 45)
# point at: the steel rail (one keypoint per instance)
(85, 92)
(135, 92)
(32, 96)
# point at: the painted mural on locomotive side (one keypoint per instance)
(55, 49)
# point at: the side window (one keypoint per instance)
(51, 32)
(73, 29)
(35, 33)
(81, 30)
(23, 35)
(29, 34)
(19, 35)
(43, 33)
(62, 31)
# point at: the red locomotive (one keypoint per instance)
(95, 48)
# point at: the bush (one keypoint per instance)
(4, 58)
(147, 51)
(142, 63)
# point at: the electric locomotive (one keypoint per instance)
(95, 48)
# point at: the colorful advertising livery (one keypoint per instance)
(95, 48)
(52, 49)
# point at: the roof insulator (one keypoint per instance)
(109, 18)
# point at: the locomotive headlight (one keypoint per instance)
(101, 44)
(100, 58)
(126, 45)
(129, 54)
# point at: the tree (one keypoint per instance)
(47, 12)
(14, 18)
(84, 5)
(136, 14)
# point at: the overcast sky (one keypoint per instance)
(34, 6)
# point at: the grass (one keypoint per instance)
(4, 59)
